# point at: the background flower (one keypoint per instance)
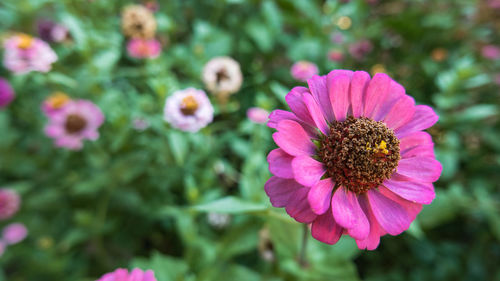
(14, 233)
(141, 49)
(303, 70)
(257, 115)
(188, 110)
(123, 275)
(138, 22)
(24, 54)
(6, 93)
(9, 203)
(222, 76)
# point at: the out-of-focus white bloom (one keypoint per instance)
(222, 76)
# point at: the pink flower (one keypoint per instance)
(122, 274)
(335, 55)
(144, 48)
(353, 158)
(303, 70)
(494, 4)
(6, 93)
(2, 248)
(76, 121)
(24, 54)
(51, 31)
(54, 103)
(188, 110)
(140, 124)
(491, 52)
(14, 233)
(360, 49)
(337, 38)
(9, 203)
(257, 115)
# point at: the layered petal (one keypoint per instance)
(376, 93)
(298, 207)
(295, 100)
(400, 113)
(280, 190)
(320, 196)
(292, 138)
(413, 140)
(359, 83)
(376, 231)
(348, 213)
(278, 115)
(325, 229)
(338, 90)
(418, 192)
(280, 163)
(317, 86)
(390, 215)
(423, 118)
(307, 171)
(316, 114)
(422, 169)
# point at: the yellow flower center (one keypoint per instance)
(58, 100)
(189, 105)
(25, 41)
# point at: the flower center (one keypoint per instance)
(75, 123)
(359, 153)
(24, 41)
(189, 105)
(57, 100)
(221, 75)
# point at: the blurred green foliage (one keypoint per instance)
(141, 198)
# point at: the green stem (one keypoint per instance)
(303, 249)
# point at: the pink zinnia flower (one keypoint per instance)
(352, 157)
(76, 121)
(122, 274)
(6, 93)
(303, 70)
(144, 48)
(54, 103)
(360, 49)
(257, 115)
(24, 54)
(491, 52)
(9, 203)
(188, 110)
(51, 31)
(14, 233)
(336, 55)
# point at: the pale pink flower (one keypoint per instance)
(51, 31)
(24, 54)
(222, 76)
(188, 110)
(76, 121)
(258, 115)
(353, 158)
(491, 52)
(336, 55)
(144, 48)
(14, 233)
(337, 38)
(9, 203)
(6, 93)
(122, 274)
(360, 49)
(303, 70)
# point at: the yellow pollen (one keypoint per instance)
(24, 41)
(380, 148)
(189, 105)
(58, 100)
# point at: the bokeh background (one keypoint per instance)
(191, 206)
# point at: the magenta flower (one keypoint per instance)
(14, 233)
(491, 52)
(123, 275)
(188, 110)
(360, 49)
(9, 203)
(352, 157)
(336, 55)
(144, 48)
(257, 115)
(303, 70)
(6, 93)
(24, 54)
(76, 121)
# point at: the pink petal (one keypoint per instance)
(307, 171)
(292, 138)
(149, 276)
(400, 113)
(316, 114)
(372, 241)
(376, 93)
(338, 90)
(278, 115)
(359, 84)
(413, 140)
(348, 213)
(280, 163)
(421, 150)
(136, 275)
(412, 209)
(396, 92)
(298, 207)
(391, 216)
(317, 86)
(423, 169)
(325, 229)
(418, 192)
(295, 100)
(320, 196)
(280, 190)
(423, 118)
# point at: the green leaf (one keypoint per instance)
(231, 205)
